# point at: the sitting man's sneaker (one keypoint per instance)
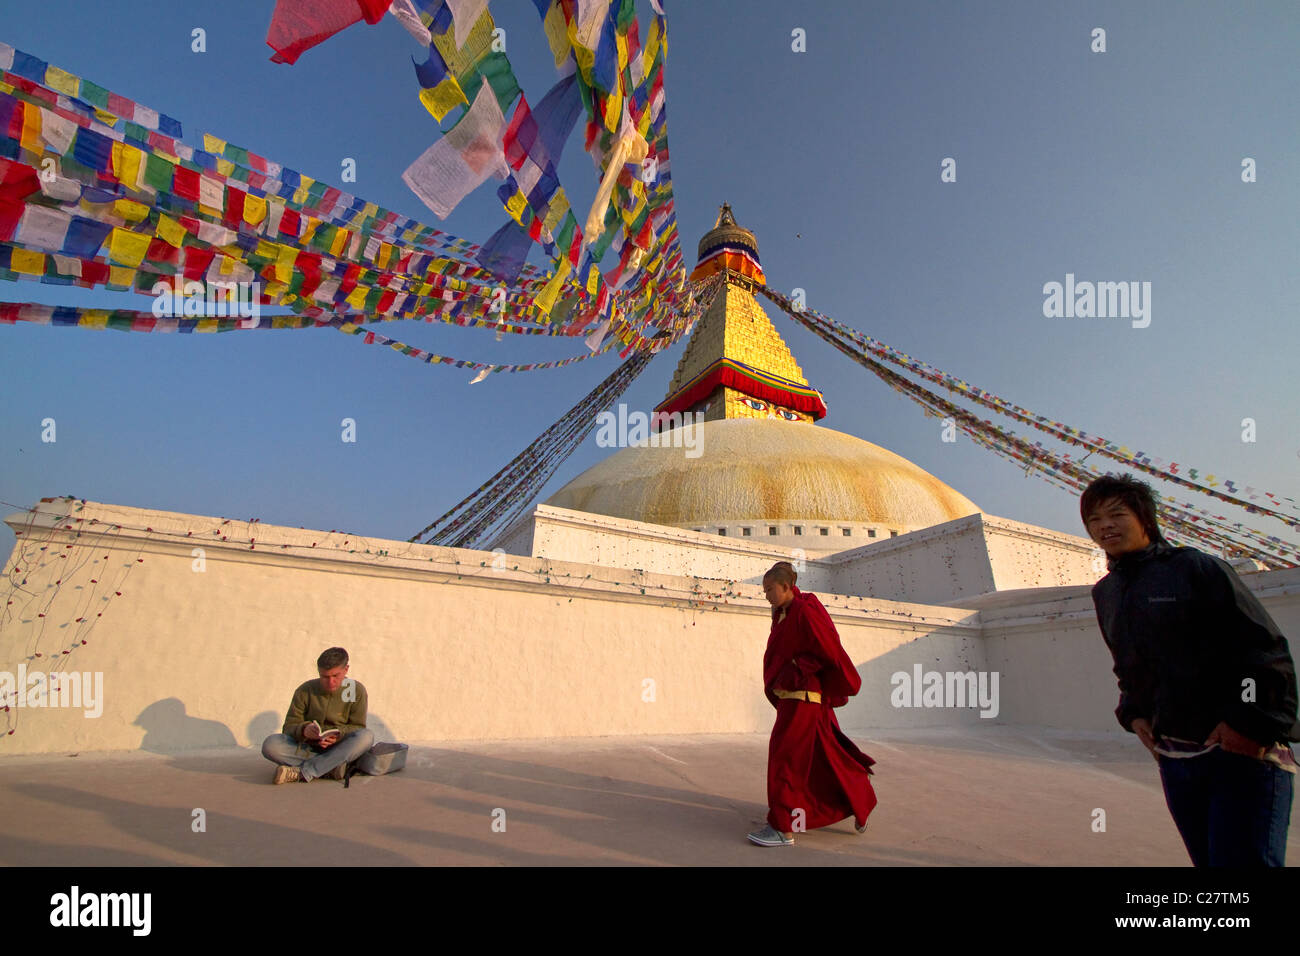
(286, 775)
(770, 837)
(339, 772)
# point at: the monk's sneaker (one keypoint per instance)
(770, 837)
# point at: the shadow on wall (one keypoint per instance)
(168, 729)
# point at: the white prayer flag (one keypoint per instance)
(455, 165)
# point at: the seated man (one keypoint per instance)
(334, 702)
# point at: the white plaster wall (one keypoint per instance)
(622, 543)
(517, 539)
(931, 566)
(1024, 556)
(451, 648)
(964, 558)
(448, 647)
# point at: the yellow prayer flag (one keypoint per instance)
(586, 59)
(121, 277)
(268, 250)
(443, 98)
(130, 210)
(593, 279)
(206, 325)
(545, 301)
(357, 297)
(557, 33)
(27, 262)
(31, 134)
(95, 319)
(132, 164)
(652, 44)
(613, 111)
(301, 194)
(62, 80)
(284, 263)
(478, 43)
(630, 215)
(515, 206)
(340, 242)
(213, 145)
(105, 117)
(620, 43)
(225, 167)
(254, 209)
(559, 206)
(127, 248)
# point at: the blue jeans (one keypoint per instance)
(312, 763)
(1231, 810)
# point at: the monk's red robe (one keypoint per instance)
(811, 765)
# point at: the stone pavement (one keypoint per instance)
(948, 797)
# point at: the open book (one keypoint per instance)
(324, 734)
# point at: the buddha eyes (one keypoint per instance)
(755, 404)
(788, 415)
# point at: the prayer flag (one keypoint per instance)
(459, 162)
(299, 25)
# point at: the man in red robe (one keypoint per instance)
(816, 776)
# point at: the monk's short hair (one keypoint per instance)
(331, 658)
(1136, 495)
(782, 571)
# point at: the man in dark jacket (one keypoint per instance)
(1206, 680)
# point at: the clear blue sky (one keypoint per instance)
(1116, 166)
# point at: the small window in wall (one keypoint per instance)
(771, 529)
(893, 534)
(722, 531)
(846, 531)
(824, 531)
(746, 532)
(871, 532)
(798, 529)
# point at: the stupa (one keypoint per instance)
(765, 468)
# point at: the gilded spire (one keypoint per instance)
(736, 365)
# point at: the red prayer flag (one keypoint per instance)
(185, 183)
(299, 25)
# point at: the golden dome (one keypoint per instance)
(752, 469)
